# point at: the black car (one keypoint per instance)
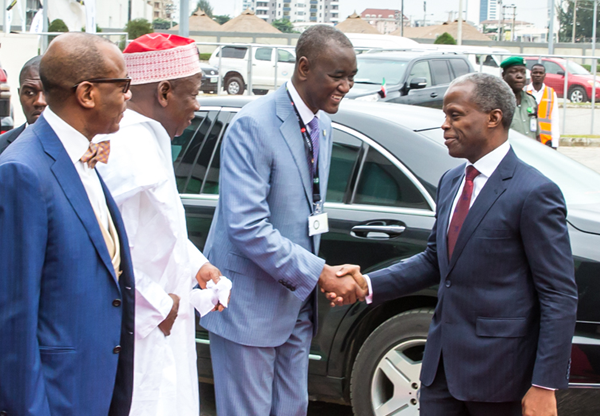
(210, 79)
(386, 163)
(418, 78)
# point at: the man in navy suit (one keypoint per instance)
(32, 99)
(500, 339)
(274, 168)
(66, 282)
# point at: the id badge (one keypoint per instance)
(318, 224)
(533, 124)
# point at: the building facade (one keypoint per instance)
(489, 10)
(384, 20)
(296, 11)
(163, 9)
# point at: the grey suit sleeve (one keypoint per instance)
(548, 249)
(246, 162)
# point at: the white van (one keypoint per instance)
(483, 58)
(233, 66)
(368, 41)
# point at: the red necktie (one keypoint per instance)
(461, 210)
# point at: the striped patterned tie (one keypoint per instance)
(314, 137)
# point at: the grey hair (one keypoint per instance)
(490, 93)
(313, 40)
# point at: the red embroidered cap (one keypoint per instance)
(159, 57)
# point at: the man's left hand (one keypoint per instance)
(539, 402)
(207, 273)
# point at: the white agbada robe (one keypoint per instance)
(141, 179)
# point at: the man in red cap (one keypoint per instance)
(166, 76)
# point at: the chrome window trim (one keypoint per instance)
(379, 208)
(391, 158)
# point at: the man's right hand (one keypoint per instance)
(346, 289)
(166, 325)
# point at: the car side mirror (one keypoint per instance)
(561, 73)
(418, 83)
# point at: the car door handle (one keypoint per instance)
(433, 94)
(375, 231)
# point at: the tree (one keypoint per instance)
(205, 6)
(161, 24)
(584, 24)
(283, 25)
(57, 25)
(445, 39)
(138, 27)
(222, 19)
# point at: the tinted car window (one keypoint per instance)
(285, 56)
(552, 68)
(373, 71)
(441, 72)
(420, 70)
(382, 183)
(459, 67)
(343, 160)
(185, 148)
(233, 52)
(263, 54)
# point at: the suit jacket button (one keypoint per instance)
(448, 283)
(117, 302)
(117, 349)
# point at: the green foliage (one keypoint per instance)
(138, 27)
(583, 26)
(205, 6)
(58, 25)
(222, 18)
(98, 30)
(161, 24)
(283, 25)
(445, 39)
(205, 56)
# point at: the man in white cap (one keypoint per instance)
(166, 76)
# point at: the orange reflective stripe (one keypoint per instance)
(545, 114)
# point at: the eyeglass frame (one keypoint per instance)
(108, 81)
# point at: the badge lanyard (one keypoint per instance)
(310, 150)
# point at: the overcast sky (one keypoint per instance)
(527, 10)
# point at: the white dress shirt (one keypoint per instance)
(486, 166)
(553, 112)
(76, 144)
(305, 113)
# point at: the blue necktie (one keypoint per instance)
(314, 137)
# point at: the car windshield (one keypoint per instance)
(374, 71)
(576, 69)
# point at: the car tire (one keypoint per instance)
(577, 95)
(385, 375)
(234, 85)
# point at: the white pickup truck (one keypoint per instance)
(233, 66)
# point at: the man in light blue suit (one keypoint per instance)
(274, 168)
(66, 282)
(500, 338)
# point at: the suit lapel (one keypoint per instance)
(290, 131)
(444, 212)
(492, 190)
(70, 182)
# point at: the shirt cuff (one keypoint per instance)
(369, 297)
(542, 387)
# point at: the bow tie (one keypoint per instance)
(97, 152)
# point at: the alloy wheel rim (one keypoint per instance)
(395, 383)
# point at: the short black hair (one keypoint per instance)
(81, 60)
(33, 65)
(538, 64)
(313, 40)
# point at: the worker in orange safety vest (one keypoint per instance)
(547, 101)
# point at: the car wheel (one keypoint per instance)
(234, 86)
(385, 375)
(577, 95)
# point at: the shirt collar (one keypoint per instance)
(305, 113)
(531, 88)
(488, 164)
(75, 143)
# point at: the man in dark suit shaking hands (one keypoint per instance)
(500, 339)
(66, 282)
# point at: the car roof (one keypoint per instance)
(407, 55)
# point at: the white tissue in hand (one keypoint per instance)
(222, 289)
(203, 300)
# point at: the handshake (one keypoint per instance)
(343, 285)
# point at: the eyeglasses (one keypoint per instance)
(126, 81)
